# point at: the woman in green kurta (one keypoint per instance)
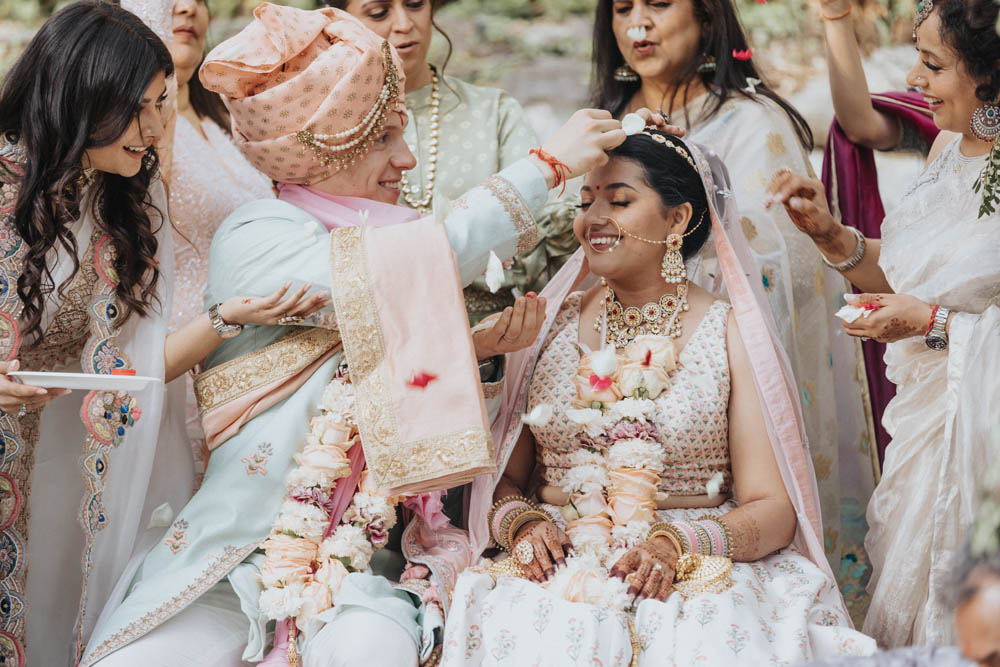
(461, 134)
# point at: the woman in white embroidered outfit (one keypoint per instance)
(653, 463)
(461, 134)
(933, 290)
(692, 59)
(284, 527)
(86, 259)
(208, 177)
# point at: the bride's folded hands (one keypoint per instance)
(649, 568)
(549, 547)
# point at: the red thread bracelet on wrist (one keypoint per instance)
(933, 315)
(560, 169)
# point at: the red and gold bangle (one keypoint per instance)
(933, 315)
(559, 168)
(501, 514)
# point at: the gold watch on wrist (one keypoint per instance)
(223, 328)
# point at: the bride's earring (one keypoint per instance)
(986, 122)
(673, 269)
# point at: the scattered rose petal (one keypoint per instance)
(636, 33)
(584, 416)
(714, 485)
(599, 383)
(850, 313)
(633, 123)
(743, 55)
(649, 357)
(494, 272)
(421, 379)
(605, 362)
(752, 83)
(540, 415)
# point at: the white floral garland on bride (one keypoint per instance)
(613, 479)
(306, 558)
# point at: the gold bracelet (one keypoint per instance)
(670, 532)
(497, 532)
(838, 16)
(521, 519)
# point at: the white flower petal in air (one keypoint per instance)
(850, 313)
(584, 416)
(494, 272)
(714, 485)
(161, 517)
(539, 416)
(633, 123)
(752, 84)
(636, 33)
(309, 229)
(363, 216)
(605, 362)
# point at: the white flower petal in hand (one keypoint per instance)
(605, 362)
(636, 33)
(633, 123)
(584, 416)
(850, 313)
(714, 485)
(494, 272)
(539, 416)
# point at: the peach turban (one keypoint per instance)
(308, 91)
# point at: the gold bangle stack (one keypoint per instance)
(522, 517)
(664, 529)
(512, 520)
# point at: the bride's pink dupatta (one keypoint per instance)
(449, 552)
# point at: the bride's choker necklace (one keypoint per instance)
(657, 318)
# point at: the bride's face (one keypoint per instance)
(617, 196)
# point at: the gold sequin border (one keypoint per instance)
(220, 565)
(393, 464)
(284, 358)
(517, 209)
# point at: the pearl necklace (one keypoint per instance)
(410, 192)
(625, 324)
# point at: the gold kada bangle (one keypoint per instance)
(521, 519)
(664, 529)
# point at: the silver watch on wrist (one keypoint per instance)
(937, 337)
(223, 328)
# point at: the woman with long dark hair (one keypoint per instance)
(208, 176)
(454, 154)
(691, 59)
(85, 261)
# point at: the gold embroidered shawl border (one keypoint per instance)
(219, 566)
(517, 209)
(393, 463)
(282, 359)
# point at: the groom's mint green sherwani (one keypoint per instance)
(257, 249)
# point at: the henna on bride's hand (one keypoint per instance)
(897, 330)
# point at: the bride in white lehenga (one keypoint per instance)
(652, 465)
(937, 247)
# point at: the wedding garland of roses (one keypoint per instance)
(613, 478)
(306, 556)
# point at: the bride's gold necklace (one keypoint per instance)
(654, 318)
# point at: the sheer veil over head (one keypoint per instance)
(722, 267)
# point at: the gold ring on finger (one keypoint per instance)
(290, 320)
(524, 553)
